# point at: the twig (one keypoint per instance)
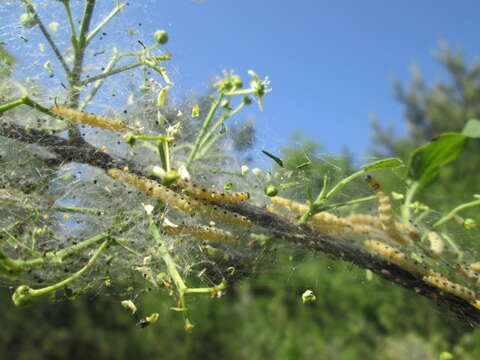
(302, 236)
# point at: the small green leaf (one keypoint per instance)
(383, 164)
(274, 158)
(426, 161)
(472, 129)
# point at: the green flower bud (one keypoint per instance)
(247, 100)
(21, 296)
(28, 20)
(130, 138)
(161, 37)
(225, 104)
(271, 190)
(469, 224)
(237, 82)
(308, 297)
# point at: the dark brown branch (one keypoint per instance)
(302, 236)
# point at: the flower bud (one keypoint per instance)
(308, 297)
(247, 100)
(271, 190)
(161, 37)
(28, 20)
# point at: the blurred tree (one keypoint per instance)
(432, 110)
(6, 62)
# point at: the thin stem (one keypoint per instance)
(348, 203)
(241, 92)
(31, 9)
(206, 147)
(459, 208)
(453, 245)
(59, 256)
(27, 101)
(161, 138)
(104, 22)
(113, 61)
(112, 72)
(73, 33)
(79, 210)
(411, 191)
(11, 105)
(317, 204)
(207, 290)
(169, 262)
(204, 156)
(204, 128)
(344, 182)
(74, 78)
(220, 121)
(24, 294)
(164, 153)
(90, 211)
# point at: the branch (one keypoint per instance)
(301, 236)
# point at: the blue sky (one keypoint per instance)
(331, 63)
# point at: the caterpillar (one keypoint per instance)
(475, 266)
(321, 218)
(317, 227)
(467, 272)
(385, 211)
(156, 190)
(397, 257)
(201, 232)
(91, 119)
(436, 245)
(376, 222)
(450, 287)
(201, 192)
(217, 212)
(178, 201)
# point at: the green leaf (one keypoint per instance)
(472, 129)
(383, 164)
(274, 158)
(426, 161)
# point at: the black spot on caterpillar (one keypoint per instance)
(450, 287)
(397, 257)
(322, 218)
(201, 192)
(201, 232)
(216, 212)
(385, 212)
(156, 190)
(179, 201)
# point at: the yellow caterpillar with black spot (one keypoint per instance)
(202, 192)
(178, 201)
(201, 232)
(91, 119)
